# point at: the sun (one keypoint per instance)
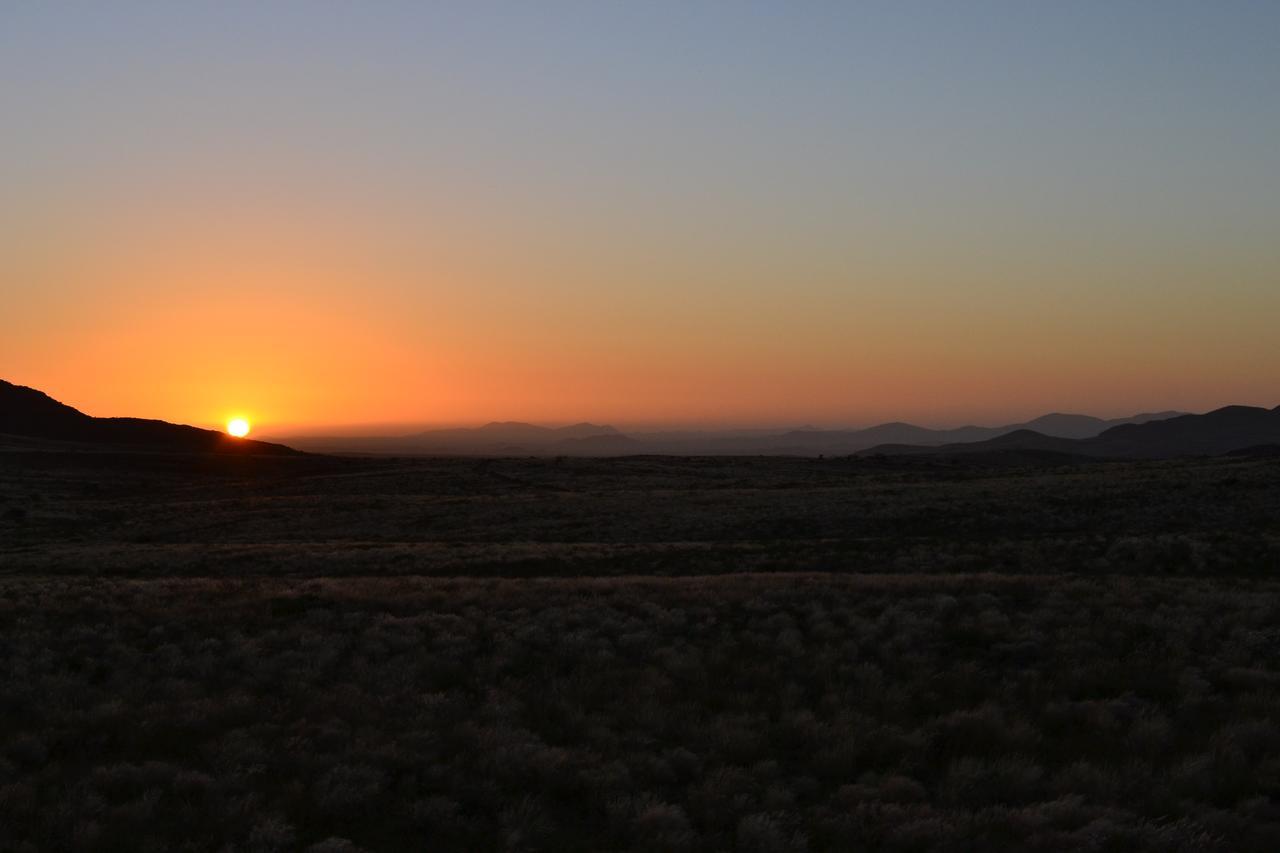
(239, 427)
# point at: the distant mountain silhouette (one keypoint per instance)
(509, 438)
(1020, 439)
(33, 414)
(1217, 432)
(1225, 430)
(1055, 424)
(519, 438)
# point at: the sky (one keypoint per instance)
(689, 213)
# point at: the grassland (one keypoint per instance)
(641, 654)
(216, 516)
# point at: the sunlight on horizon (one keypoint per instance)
(641, 213)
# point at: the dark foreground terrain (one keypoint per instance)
(293, 653)
(161, 515)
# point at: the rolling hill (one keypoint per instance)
(1211, 434)
(1231, 428)
(587, 439)
(1055, 425)
(33, 414)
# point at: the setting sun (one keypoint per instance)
(239, 427)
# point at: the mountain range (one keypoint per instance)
(1226, 430)
(29, 413)
(586, 439)
(1056, 424)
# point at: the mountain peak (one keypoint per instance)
(1235, 411)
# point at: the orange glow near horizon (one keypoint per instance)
(316, 215)
(327, 326)
(329, 319)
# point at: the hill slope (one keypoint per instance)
(1217, 432)
(1221, 431)
(27, 412)
(1018, 440)
(898, 434)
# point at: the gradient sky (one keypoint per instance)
(689, 213)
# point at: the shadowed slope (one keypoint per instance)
(27, 412)
(585, 439)
(1018, 440)
(1220, 431)
(1224, 430)
(1053, 425)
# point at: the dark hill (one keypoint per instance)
(27, 412)
(898, 434)
(1066, 425)
(1221, 431)
(1018, 440)
(1211, 434)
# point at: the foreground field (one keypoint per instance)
(256, 654)
(747, 713)
(155, 515)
